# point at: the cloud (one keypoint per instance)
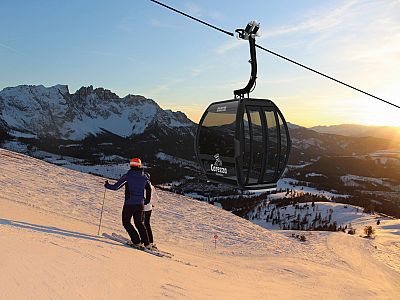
(200, 12)
(200, 69)
(317, 21)
(125, 24)
(166, 85)
(231, 44)
(160, 24)
(12, 49)
(357, 42)
(193, 9)
(312, 23)
(216, 15)
(367, 49)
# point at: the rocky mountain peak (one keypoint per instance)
(54, 112)
(137, 100)
(100, 93)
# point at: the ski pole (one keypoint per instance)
(101, 216)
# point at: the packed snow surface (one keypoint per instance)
(49, 248)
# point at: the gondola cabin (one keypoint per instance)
(243, 142)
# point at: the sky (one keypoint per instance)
(138, 47)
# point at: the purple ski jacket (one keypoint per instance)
(136, 183)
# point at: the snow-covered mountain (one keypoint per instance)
(94, 127)
(308, 143)
(37, 111)
(49, 247)
(355, 130)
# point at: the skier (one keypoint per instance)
(147, 213)
(135, 183)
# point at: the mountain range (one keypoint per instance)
(92, 124)
(37, 111)
(96, 131)
(97, 116)
(355, 130)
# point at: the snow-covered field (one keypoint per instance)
(355, 180)
(342, 214)
(49, 248)
(296, 187)
(114, 166)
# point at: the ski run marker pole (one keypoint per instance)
(215, 241)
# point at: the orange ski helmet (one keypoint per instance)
(135, 162)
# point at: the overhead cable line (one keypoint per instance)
(276, 54)
(327, 76)
(193, 18)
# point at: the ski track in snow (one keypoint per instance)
(49, 247)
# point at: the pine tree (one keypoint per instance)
(369, 231)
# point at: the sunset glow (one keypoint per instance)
(139, 50)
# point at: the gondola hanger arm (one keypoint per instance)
(249, 33)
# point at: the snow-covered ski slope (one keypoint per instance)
(49, 248)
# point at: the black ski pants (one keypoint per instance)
(147, 215)
(135, 211)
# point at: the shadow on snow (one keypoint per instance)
(54, 230)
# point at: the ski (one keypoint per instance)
(126, 240)
(123, 241)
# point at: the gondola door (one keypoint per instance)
(272, 147)
(264, 144)
(254, 141)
